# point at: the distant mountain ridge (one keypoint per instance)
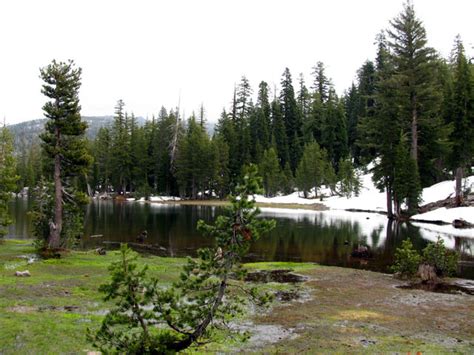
(27, 133)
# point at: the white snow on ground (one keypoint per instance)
(163, 198)
(448, 214)
(288, 199)
(371, 199)
(443, 190)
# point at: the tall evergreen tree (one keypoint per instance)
(121, 160)
(418, 91)
(382, 130)
(364, 110)
(461, 115)
(291, 119)
(226, 130)
(321, 84)
(63, 139)
(310, 172)
(269, 170)
(279, 138)
(8, 177)
(304, 103)
(102, 160)
(221, 171)
(406, 182)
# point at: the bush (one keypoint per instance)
(407, 260)
(443, 260)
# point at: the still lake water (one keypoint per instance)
(327, 237)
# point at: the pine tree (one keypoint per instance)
(221, 171)
(461, 116)
(288, 180)
(382, 129)
(102, 160)
(200, 300)
(349, 182)
(364, 110)
(279, 138)
(226, 130)
(8, 177)
(63, 141)
(406, 185)
(310, 171)
(304, 103)
(334, 131)
(418, 90)
(291, 119)
(138, 159)
(269, 170)
(321, 84)
(194, 160)
(121, 160)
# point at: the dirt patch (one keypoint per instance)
(438, 288)
(58, 309)
(264, 334)
(22, 309)
(286, 296)
(353, 311)
(281, 276)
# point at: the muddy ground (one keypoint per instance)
(347, 310)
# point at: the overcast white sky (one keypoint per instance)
(148, 53)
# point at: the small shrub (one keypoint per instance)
(407, 260)
(443, 260)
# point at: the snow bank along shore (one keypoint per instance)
(371, 199)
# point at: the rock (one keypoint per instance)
(427, 273)
(362, 251)
(25, 273)
(461, 223)
(142, 236)
(101, 251)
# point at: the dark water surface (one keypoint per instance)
(328, 237)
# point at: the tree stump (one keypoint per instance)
(427, 273)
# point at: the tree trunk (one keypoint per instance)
(397, 207)
(388, 191)
(459, 176)
(57, 226)
(414, 132)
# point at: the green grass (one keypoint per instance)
(50, 311)
(274, 265)
(346, 311)
(32, 314)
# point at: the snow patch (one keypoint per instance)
(164, 198)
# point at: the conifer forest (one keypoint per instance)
(305, 218)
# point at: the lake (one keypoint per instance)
(327, 237)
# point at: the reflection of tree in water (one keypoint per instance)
(322, 238)
(18, 210)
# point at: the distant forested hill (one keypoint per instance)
(27, 133)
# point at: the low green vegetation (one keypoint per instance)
(208, 294)
(336, 311)
(407, 260)
(443, 261)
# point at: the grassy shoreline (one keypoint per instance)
(337, 310)
(223, 203)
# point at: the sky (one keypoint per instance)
(193, 52)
